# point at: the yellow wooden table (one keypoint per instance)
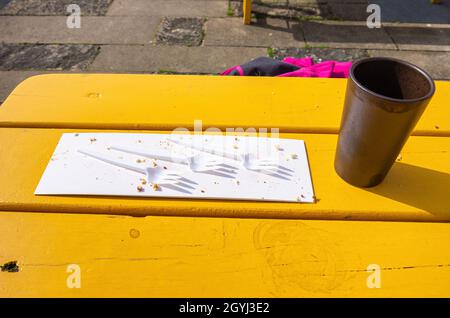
(195, 248)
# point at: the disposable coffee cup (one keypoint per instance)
(384, 100)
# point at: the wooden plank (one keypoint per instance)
(163, 102)
(415, 190)
(213, 257)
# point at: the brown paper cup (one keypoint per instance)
(384, 99)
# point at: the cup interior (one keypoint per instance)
(393, 79)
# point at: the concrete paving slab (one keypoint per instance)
(3, 3)
(346, 35)
(54, 7)
(94, 30)
(46, 56)
(321, 54)
(174, 8)
(262, 33)
(420, 38)
(348, 11)
(433, 62)
(176, 59)
(418, 11)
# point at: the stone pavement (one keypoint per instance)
(207, 36)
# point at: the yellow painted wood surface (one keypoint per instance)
(163, 256)
(213, 257)
(162, 102)
(417, 187)
(247, 11)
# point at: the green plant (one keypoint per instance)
(230, 10)
(271, 52)
(166, 72)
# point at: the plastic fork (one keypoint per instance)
(248, 160)
(197, 163)
(156, 175)
(251, 163)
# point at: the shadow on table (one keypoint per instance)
(419, 187)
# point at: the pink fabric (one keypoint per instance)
(301, 62)
(308, 68)
(323, 69)
(238, 68)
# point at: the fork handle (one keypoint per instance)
(174, 159)
(112, 161)
(209, 150)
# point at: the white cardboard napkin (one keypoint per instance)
(72, 173)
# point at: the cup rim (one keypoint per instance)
(405, 63)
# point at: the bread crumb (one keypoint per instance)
(140, 188)
(278, 147)
(154, 164)
(294, 156)
(156, 187)
(93, 139)
(399, 157)
(143, 181)
(203, 191)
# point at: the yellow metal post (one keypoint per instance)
(247, 9)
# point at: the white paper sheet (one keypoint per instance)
(71, 173)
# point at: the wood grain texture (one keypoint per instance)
(416, 188)
(162, 102)
(212, 257)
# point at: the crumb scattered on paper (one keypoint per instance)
(278, 147)
(140, 188)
